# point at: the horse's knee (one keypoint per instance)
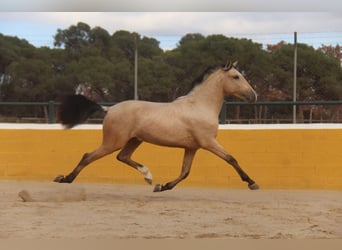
(84, 157)
(121, 157)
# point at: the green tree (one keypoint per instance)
(92, 72)
(12, 49)
(156, 80)
(29, 78)
(75, 38)
(101, 65)
(318, 76)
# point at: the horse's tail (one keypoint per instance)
(75, 109)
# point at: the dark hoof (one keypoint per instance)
(158, 188)
(59, 179)
(149, 181)
(253, 186)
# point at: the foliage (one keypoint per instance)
(93, 61)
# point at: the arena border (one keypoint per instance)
(277, 156)
(221, 126)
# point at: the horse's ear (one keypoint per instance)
(228, 66)
(235, 64)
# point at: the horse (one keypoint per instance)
(189, 122)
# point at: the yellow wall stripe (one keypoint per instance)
(274, 158)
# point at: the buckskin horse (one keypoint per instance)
(189, 122)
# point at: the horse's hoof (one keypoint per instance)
(158, 188)
(149, 181)
(59, 178)
(253, 186)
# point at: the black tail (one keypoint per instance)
(75, 109)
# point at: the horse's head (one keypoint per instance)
(235, 84)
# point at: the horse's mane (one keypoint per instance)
(201, 78)
(208, 71)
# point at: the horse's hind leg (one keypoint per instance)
(125, 156)
(86, 160)
(218, 150)
(189, 155)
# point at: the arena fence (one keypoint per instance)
(262, 112)
(302, 156)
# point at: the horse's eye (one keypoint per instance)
(236, 77)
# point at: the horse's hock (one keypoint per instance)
(278, 157)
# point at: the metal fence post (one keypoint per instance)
(295, 79)
(51, 111)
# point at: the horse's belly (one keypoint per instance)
(169, 137)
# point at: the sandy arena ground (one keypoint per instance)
(103, 211)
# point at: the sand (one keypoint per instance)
(105, 211)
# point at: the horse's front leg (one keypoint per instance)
(86, 160)
(218, 150)
(189, 155)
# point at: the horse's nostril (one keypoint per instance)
(255, 96)
(251, 96)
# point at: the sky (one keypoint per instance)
(313, 28)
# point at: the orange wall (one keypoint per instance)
(274, 158)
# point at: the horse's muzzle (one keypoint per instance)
(250, 96)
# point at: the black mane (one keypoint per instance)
(205, 74)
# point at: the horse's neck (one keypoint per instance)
(210, 93)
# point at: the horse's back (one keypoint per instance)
(132, 113)
(134, 107)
